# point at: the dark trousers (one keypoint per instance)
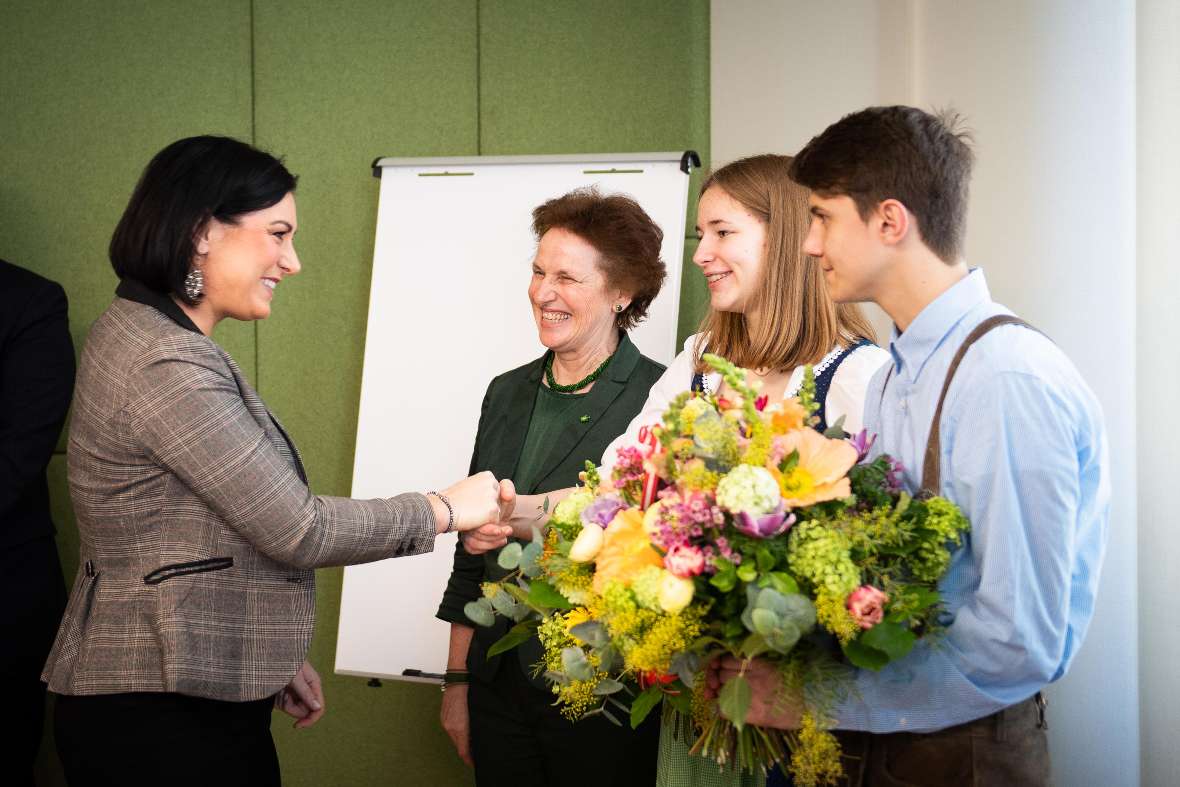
(518, 739)
(1006, 749)
(35, 595)
(145, 740)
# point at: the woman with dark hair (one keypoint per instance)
(193, 607)
(596, 271)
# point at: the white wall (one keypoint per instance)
(1158, 382)
(1049, 89)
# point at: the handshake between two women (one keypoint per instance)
(479, 508)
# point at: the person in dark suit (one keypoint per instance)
(36, 381)
(193, 608)
(596, 271)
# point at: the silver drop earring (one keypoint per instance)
(194, 284)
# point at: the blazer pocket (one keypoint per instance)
(181, 569)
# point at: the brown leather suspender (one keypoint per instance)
(931, 466)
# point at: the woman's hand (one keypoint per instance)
(475, 502)
(495, 534)
(457, 721)
(303, 698)
(770, 705)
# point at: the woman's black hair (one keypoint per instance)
(185, 185)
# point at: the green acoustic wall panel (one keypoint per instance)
(603, 76)
(90, 91)
(334, 91)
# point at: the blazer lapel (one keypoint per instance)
(263, 416)
(514, 424)
(597, 402)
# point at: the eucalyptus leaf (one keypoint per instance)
(734, 700)
(556, 677)
(800, 610)
(509, 557)
(504, 604)
(575, 665)
(529, 557)
(517, 592)
(615, 701)
(765, 621)
(592, 632)
(608, 686)
(609, 658)
(643, 705)
(611, 717)
(686, 665)
(783, 638)
(480, 612)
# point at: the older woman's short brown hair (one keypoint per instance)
(627, 241)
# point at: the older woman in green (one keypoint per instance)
(596, 271)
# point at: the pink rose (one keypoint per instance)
(684, 561)
(867, 605)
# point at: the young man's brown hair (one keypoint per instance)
(922, 160)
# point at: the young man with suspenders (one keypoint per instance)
(985, 410)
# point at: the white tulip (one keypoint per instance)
(586, 546)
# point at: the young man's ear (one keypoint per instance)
(894, 220)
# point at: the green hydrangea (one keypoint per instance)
(822, 556)
(750, 489)
(567, 515)
(646, 587)
(945, 524)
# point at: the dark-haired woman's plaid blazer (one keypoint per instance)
(198, 531)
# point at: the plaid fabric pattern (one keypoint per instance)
(199, 534)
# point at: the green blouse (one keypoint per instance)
(552, 412)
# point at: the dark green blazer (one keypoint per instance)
(616, 398)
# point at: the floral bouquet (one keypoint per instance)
(737, 529)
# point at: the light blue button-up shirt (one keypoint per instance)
(1024, 454)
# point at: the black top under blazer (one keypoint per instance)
(616, 398)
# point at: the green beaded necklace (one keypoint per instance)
(580, 384)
